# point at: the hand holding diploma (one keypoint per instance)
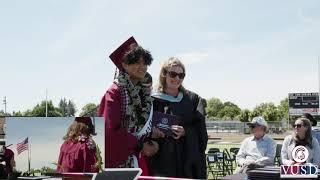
(178, 131)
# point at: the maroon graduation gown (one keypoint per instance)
(77, 157)
(119, 142)
(9, 155)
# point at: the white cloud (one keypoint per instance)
(189, 58)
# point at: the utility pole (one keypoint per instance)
(5, 105)
(46, 102)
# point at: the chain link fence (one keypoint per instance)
(223, 126)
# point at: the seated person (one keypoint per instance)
(258, 150)
(78, 153)
(314, 131)
(301, 136)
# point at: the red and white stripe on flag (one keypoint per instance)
(22, 146)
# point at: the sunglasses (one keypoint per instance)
(297, 125)
(173, 74)
(253, 126)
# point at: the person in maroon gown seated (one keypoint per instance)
(78, 152)
(126, 108)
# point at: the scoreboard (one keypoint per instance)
(300, 103)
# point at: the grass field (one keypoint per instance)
(222, 146)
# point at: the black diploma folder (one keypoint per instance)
(164, 122)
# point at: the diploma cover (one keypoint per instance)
(164, 122)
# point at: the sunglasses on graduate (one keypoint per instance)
(173, 74)
(297, 125)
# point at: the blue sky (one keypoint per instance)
(247, 52)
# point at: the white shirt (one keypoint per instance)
(260, 151)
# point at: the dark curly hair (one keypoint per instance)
(133, 56)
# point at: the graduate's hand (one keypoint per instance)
(157, 133)
(178, 131)
(150, 148)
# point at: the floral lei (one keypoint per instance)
(92, 146)
(140, 105)
(89, 142)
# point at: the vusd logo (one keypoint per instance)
(300, 154)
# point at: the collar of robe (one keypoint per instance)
(167, 97)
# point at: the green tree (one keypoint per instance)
(67, 109)
(4, 114)
(27, 113)
(17, 114)
(89, 109)
(71, 108)
(229, 111)
(284, 108)
(46, 169)
(40, 110)
(244, 115)
(214, 105)
(63, 107)
(268, 111)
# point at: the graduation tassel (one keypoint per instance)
(115, 73)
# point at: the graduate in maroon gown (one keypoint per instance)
(126, 107)
(8, 157)
(78, 153)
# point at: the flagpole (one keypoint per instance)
(29, 156)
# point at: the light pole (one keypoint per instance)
(46, 102)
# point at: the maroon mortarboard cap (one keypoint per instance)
(8, 154)
(118, 55)
(87, 121)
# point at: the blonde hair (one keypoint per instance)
(75, 130)
(173, 61)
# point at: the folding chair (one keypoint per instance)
(213, 150)
(233, 152)
(228, 162)
(215, 163)
(277, 158)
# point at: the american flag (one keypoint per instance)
(22, 146)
